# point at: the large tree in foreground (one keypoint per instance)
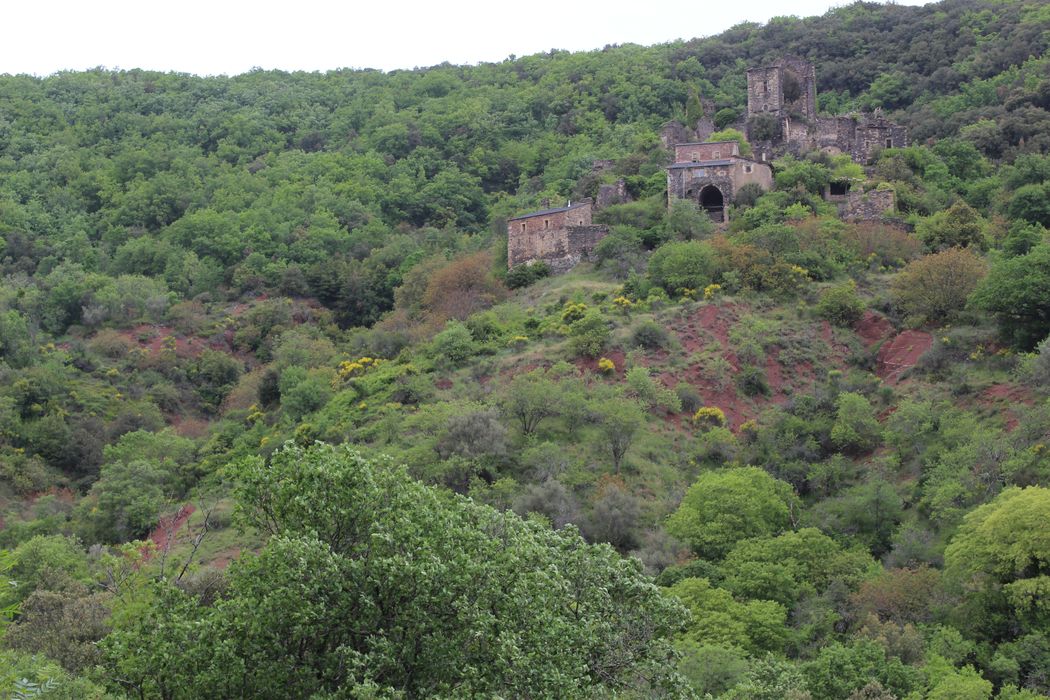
(374, 585)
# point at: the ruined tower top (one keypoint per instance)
(787, 87)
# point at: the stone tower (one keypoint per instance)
(786, 88)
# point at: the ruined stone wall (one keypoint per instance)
(806, 75)
(763, 90)
(692, 152)
(611, 194)
(836, 134)
(674, 133)
(867, 206)
(874, 135)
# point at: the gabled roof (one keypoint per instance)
(542, 212)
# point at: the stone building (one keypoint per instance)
(786, 92)
(786, 89)
(560, 237)
(712, 173)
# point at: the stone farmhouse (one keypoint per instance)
(559, 237)
(712, 173)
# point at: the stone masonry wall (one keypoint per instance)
(867, 206)
(561, 239)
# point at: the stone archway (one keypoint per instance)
(712, 201)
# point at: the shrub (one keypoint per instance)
(606, 366)
(651, 392)
(959, 226)
(523, 275)
(752, 381)
(726, 116)
(1017, 291)
(589, 335)
(650, 335)
(463, 287)
(573, 311)
(688, 396)
(454, 344)
(709, 417)
(682, 265)
(840, 304)
(856, 429)
(936, 287)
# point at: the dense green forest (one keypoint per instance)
(276, 421)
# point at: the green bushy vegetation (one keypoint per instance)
(277, 420)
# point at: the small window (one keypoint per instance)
(523, 227)
(718, 154)
(546, 223)
(747, 168)
(696, 157)
(765, 86)
(889, 143)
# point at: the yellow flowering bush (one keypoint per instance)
(573, 311)
(711, 291)
(348, 369)
(606, 366)
(710, 416)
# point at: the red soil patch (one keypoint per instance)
(155, 339)
(774, 377)
(900, 354)
(873, 328)
(163, 536)
(590, 364)
(1005, 398)
(443, 384)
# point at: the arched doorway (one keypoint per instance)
(713, 203)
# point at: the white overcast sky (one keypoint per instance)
(211, 37)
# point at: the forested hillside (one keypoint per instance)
(277, 421)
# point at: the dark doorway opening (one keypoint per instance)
(839, 189)
(713, 203)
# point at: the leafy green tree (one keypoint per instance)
(1031, 203)
(1000, 552)
(959, 226)
(529, 399)
(719, 620)
(936, 287)
(1017, 291)
(723, 507)
(682, 265)
(126, 501)
(454, 344)
(686, 221)
(791, 566)
(619, 424)
(375, 584)
(856, 429)
(840, 669)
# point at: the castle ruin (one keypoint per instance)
(782, 118)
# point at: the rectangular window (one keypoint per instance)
(889, 143)
(546, 223)
(523, 227)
